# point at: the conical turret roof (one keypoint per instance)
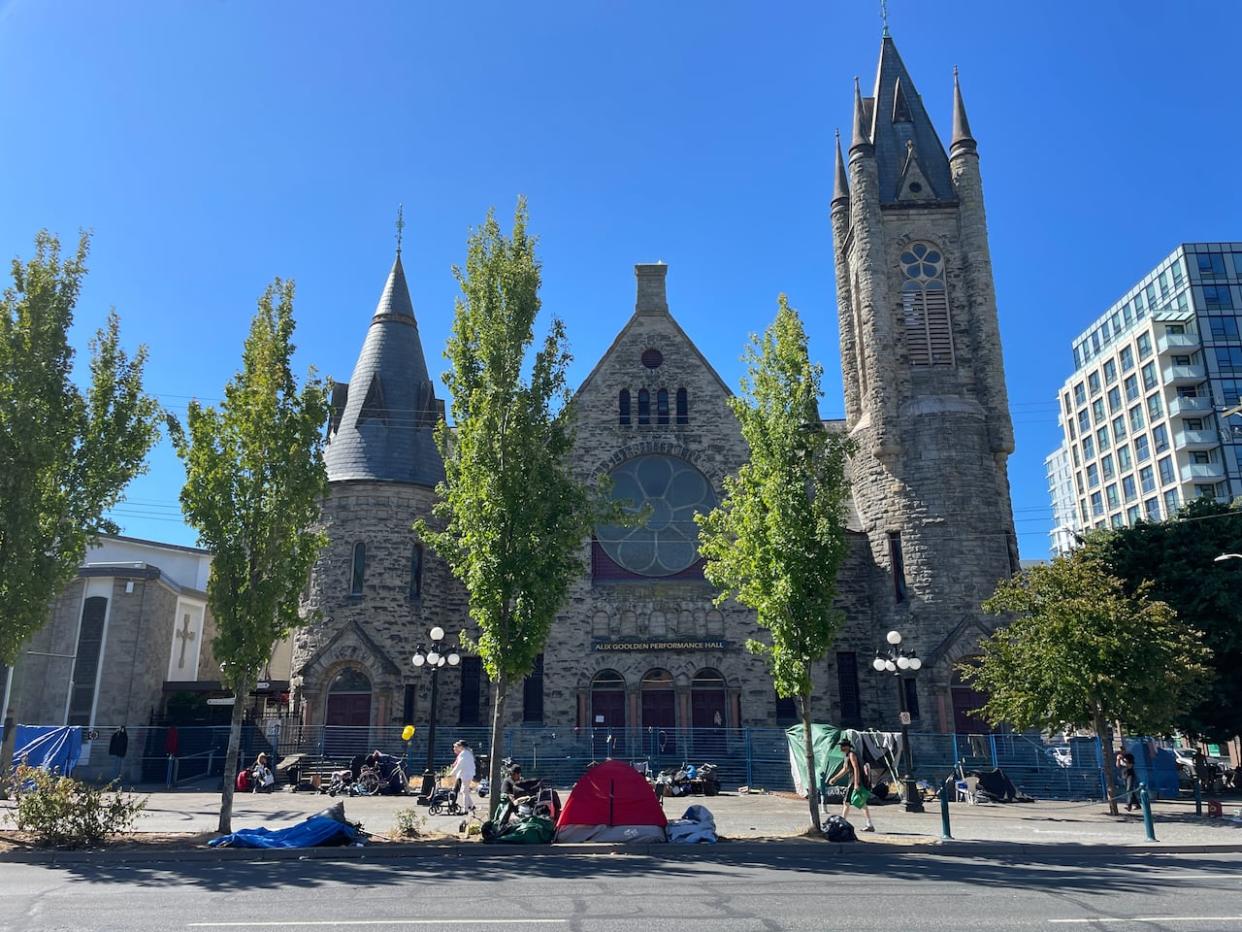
(382, 421)
(897, 119)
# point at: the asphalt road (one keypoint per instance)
(796, 890)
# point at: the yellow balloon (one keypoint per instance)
(407, 733)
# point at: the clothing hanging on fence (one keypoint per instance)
(119, 745)
(979, 746)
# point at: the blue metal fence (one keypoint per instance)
(756, 757)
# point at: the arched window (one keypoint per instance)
(662, 406)
(683, 407)
(359, 570)
(925, 307)
(623, 405)
(644, 406)
(416, 572)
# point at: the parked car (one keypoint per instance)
(1060, 754)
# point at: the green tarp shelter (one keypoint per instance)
(824, 744)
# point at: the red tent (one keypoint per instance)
(611, 802)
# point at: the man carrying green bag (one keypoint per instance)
(859, 791)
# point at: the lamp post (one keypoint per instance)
(897, 661)
(433, 658)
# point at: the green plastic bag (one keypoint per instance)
(859, 797)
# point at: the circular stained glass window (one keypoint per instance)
(673, 491)
(921, 262)
(653, 358)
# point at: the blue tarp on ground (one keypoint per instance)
(49, 747)
(317, 830)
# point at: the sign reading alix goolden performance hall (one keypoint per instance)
(630, 646)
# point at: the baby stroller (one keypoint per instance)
(443, 801)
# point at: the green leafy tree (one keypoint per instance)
(778, 538)
(511, 516)
(255, 481)
(1083, 651)
(66, 454)
(1178, 558)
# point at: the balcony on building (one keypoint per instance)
(1195, 439)
(1185, 406)
(1184, 375)
(1178, 343)
(1200, 472)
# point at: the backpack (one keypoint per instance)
(838, 830)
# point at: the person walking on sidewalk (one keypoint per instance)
(859, 789)
(1129, 780)
(463, 770)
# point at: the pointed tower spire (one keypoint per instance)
(383, 419)
(962, 140)
(861, 139)
(840, 186)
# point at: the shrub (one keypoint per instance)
(410, 823)
(64, 812)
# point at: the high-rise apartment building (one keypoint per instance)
(1148, 417)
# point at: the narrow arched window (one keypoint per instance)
(644, 406)
(662, 406)
(359, 570)
(683, 407)
(623, 405)
(925, 307)
(416, 572)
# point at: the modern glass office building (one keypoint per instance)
(1148, 417)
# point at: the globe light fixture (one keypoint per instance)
(437, 633)
(903, 662)
(433, 657)
(418, 660)
(454, 659)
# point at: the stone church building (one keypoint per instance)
(640, 643)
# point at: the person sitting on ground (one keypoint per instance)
(859, 790)
(261, 780)
(511, 785)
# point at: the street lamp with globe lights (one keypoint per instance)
(434, 657)
(898, 661)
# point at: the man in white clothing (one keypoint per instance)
(463, 769)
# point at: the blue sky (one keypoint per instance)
(213, 145)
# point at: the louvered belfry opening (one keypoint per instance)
(925, 308)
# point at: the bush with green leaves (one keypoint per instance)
(410, 823)
(63, 812)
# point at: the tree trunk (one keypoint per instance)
(10, 729)
(1106, 748)
(230, 758)
(812, 778)
(497, 749)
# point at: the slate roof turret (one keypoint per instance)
(382, 421)
(897, 119)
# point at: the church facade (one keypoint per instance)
(640, 643)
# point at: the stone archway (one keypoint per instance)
(708, 713)
(659, 706)
(347, 711)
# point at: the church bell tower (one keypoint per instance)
(924, 378)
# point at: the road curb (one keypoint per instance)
(443, 850)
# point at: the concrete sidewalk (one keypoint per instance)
(753, 818)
